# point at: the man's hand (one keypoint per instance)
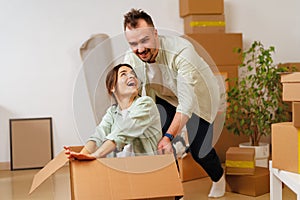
(78, 156)
(164, 146)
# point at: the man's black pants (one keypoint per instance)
(198, 129)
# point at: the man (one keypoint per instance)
(174, 74)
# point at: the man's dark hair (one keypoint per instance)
(131, 18)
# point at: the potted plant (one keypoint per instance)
(255, 100)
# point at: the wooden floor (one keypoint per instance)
(15, 185)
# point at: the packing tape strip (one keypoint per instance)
(207, 23)
(239, 164)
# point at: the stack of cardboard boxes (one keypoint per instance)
(286, 135)
(242, 176)
(204, 26)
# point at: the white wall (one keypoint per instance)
(40, 41)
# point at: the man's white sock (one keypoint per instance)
(218, 188)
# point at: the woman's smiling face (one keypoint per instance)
(127, 82)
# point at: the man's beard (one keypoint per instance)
(151, 58)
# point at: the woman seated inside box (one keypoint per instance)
(131, 126)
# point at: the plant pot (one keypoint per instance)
(262, 153)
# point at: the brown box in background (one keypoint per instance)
(240, 161)
(290, 66)
(232, 72)
(220, 47)
(285, 147)
(252, 185)
(227, 140)
(189, 169)
(204, 24)
(296, 114)
(291, 86)
(140, 177)
(191, 7)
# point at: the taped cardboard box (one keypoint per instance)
(189, 169)
(191, 7)
(291, 86)
(296, 114)
(204, 24)
(141, 177)
(285, 147)
(220, 46)
(251, 185)
(240, 161)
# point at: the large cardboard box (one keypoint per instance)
(189, 169)
(291, 86)
(220, 47)
(204, 24)
(191, 7)
(296, 114)
(240, 161)
(285, 147)
(251, 185)
(141, 177)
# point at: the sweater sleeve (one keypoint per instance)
(142, 115)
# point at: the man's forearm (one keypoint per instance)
(179, 121)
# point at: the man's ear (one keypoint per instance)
(113, 90)
(155, 32)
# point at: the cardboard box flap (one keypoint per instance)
(51, 167)
(290, 77)
(141, 177)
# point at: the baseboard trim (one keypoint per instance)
(4, 165)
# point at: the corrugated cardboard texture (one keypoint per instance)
(189, 169)
(285, 147)
(252, 185)
(139, 177)
(243, 160)
(296, 114)
(190, 7)
(220, 46)
(204, 24)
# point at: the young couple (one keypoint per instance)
(175, 77)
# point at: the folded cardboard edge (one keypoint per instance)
(51, 167)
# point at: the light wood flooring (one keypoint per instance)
(15, 185)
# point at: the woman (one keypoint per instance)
(133, 122)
